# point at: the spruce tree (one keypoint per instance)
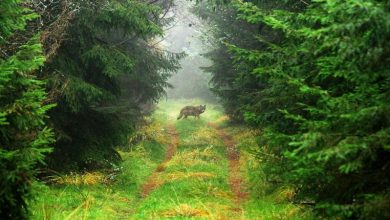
(24, 139)
(102, 75)
(322, 100)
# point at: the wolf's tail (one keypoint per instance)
(180, 116)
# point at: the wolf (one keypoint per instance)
(192, 110)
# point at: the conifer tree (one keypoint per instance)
(105, 70)
(228, 81)
(24, 139)
(322, 100)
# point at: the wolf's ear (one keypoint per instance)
(204, 106)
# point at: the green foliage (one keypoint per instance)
(105, 71)
(228, 82)
(321, 95)
(13, 18)
(24, 139)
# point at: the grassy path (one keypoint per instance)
(237, 183)
(153, 182)
(195, 181)
(182, 169)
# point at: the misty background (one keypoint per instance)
(184, 34)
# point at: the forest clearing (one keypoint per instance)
(206, 109)
(182, 169)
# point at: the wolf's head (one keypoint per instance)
(202, 108)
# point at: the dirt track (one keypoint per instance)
(152, 182)
(236, 182)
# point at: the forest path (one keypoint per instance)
(176, 169)
(153, 182)
(200, 175)
(236, 181)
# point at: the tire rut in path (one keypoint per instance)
(152, 182)
(236, 182)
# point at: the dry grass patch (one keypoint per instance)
(194, 157)
(185, 210)
(286, 214)
(206, 136)
(284, 194)
(221, 194)
(151, 131)
(92, 178)
(211, 190)
(156, 181)
(187, 175)
(222, 212)
(222, 119)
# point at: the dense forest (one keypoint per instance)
(314, 77)
(308, 79)
(66, 67)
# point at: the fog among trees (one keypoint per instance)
(123, 109)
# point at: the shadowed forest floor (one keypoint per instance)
(181, 169)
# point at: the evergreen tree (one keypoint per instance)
(322, 99)
(24, 139)
(103, 74)
(228, 82)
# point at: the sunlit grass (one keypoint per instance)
(87, 178)
(79, 202)
(101, 195)
(196, 176)
(193, 184)
(185, 210)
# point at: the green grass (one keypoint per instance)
(266, 201)
(195, 180)
(194, 184)
(96, 201)
(100, 200)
